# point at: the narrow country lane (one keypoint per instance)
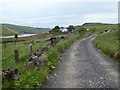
(83, 66)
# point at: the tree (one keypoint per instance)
(71, 28)
(16, 36)
(55, 29)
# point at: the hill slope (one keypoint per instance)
(6, 31)
(100, 26)
(95, 24)
(9, 29)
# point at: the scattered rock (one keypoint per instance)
(37, 58)
(40, 51)
(43, 57)
(62, 37)
(55, 40)
(10, 74)
(29, 65)
(117, 54)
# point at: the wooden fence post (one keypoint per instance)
(33, 42)
(16, 55)
(30, 48)
(5, 44)
(15, 42)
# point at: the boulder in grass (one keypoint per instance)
(101, 32)
(10, 74)
(29, 65)
(106, 31)
(53, 41)
(40, 51)
(117, 55)
(62, 37)
(43, 57)
(32, 57)
(39, 60)
(33, 63)
(36, 62)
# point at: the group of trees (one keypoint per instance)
(71, 28)
(56, 29)
(81, 30)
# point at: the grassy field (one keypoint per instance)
(33, 77)
(8, 53)
(108, 44)
(102, 27)
(24, 53)
(38, 75)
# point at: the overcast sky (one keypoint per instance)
(48, 13)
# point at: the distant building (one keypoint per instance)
(63, 29)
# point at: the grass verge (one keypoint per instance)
(108, 44)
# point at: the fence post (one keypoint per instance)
(16, 55)
(15, 42)
(5, 44)
(33, 42)
(30, 48)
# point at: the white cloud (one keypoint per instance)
(45, 13)
(65, 20)
(101, 17)
(64, 0)
(42, 1)
(49, 1)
